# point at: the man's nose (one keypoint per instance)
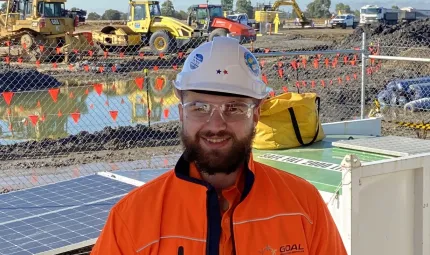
(216, 120)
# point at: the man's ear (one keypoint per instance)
(177, 92)
(181, 110)
(257, 111)
(256, 115)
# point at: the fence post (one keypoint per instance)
(363, 74)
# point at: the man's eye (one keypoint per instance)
(236, 108)
(200, 108)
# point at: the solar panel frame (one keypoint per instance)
(136, 176)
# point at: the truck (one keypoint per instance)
(79, 13)
(371, 14)
(241, 18)
(344, 21)
(411, 14)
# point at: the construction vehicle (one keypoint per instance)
(267, 13)
(241, 18)
(79, 13)
(147, 27)
(391, 16)
(209, 19)
(40, 22)
(344, 21)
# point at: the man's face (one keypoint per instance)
(217, 146)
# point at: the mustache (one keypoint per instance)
(217, 134)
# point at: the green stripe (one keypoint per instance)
(324, 178)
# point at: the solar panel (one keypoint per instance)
(53, 216)
(387, 145)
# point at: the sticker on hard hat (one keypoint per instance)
(252, 63)
(196, 61)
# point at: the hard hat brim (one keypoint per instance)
(214, 87)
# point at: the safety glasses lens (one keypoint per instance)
(230, 111)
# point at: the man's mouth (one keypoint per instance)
(216, 140)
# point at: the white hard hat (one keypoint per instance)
(222, 65)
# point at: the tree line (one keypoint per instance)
(315, 9)
(168, 9)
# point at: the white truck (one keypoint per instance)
(344, 21)
(241, 18)
(375, 14)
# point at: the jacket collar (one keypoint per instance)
(182, 171)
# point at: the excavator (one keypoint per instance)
(33, 23)
(268, 12)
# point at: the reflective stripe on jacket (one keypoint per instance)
(279, 213)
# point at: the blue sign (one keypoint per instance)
(136, 25)
(252, 63)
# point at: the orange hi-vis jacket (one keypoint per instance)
(176, 214)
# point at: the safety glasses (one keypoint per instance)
(230, 112)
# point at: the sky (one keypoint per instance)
(100, 6)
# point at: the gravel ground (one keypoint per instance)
(128, 143)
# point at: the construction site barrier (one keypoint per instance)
(45, 99)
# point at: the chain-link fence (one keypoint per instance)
(73, 111)
(399, 80)
(73, 107)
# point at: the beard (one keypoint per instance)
(217, 160)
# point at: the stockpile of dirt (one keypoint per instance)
(413, 34)
(25, 80)
(121, 138)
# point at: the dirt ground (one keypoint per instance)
(304, 38)
(287, 39)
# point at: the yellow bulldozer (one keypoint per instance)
(34, 23)
(147, 27)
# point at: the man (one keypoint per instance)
(217, 199)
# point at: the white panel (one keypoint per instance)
(390, 207)
(367, 127)
(386, 214)
(335, 207)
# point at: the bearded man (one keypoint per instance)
(217, 199)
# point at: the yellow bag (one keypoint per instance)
(289, 120)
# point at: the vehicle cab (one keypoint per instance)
(201, 15)
(43, 16)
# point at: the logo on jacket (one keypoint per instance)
(291, 248)
(267, 251)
